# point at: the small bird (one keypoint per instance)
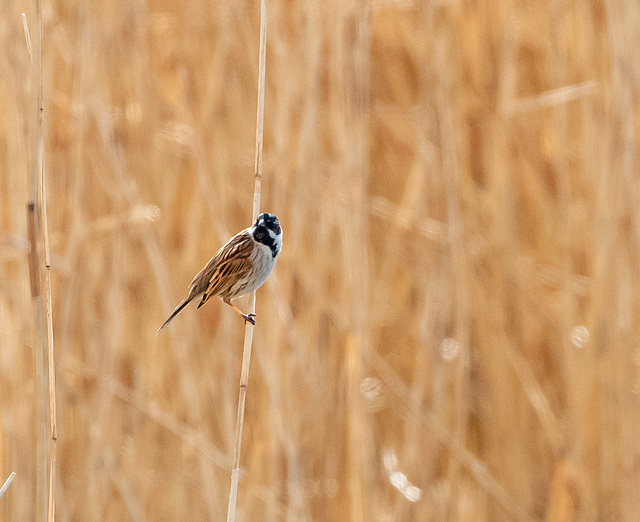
(241, 266)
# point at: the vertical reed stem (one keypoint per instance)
(51, 377)
(248, 332)
(38, 235)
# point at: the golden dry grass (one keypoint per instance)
(451, 332)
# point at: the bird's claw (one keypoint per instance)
(250, 318)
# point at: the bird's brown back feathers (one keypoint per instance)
(233, 259)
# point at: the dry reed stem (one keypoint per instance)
(7, 483)
(51, 373)
(39, 253)
(248, 331)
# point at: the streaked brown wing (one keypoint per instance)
(201, 280)
(229, 265)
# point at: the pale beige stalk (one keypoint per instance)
(39, 260)
(248, 330)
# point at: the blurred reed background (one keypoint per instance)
(451, 332)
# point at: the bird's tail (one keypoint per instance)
(175, 312)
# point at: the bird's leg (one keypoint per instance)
(246, 317)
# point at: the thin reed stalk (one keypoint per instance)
(39, 254)
(248, 331)
(7, 483)
(51, 375)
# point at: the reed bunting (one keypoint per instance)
(241, 266)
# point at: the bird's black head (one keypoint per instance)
(270, 222)
(268, 232)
